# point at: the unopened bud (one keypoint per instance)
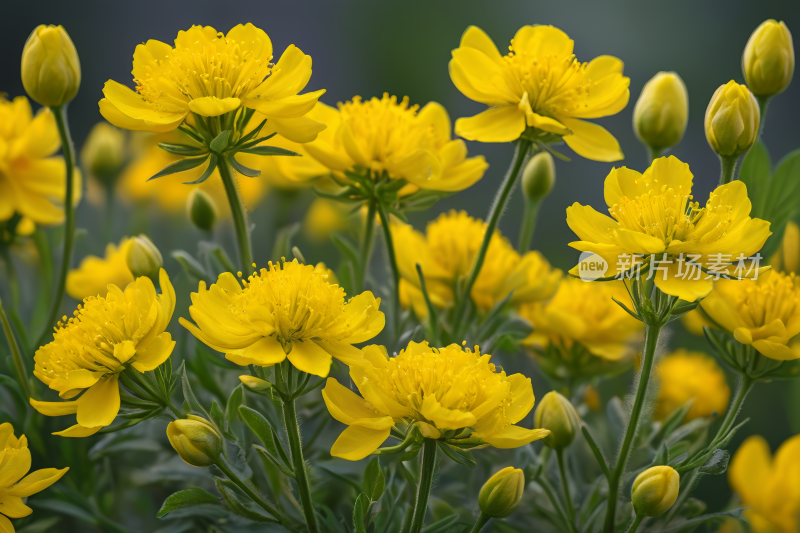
(196, 440)
(255, 384)
(103, 154)
(500, 495)
(732, 120)
(202, 209)
(768, 59)
(143, 257)
(655, 490)
(539, 176)
(662, 111)
(557, 414)
(51, 70)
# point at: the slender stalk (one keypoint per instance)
(528, 226)
(366, 246)
(635, 524)
(550, 493)
(12, 276)
(730, 418)
(482, 520)
(296, 448)
(763, 103)
(426, 474)
(250, 491)
(60, 114)
(15, 353)
(140, 380)
(498, 206)
(653, 153)
(565, 485)
(728, 169)
(109, 185)
(650, 342)
(387, 236)
(239, 215)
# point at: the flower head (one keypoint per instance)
(768, 484)
(89, 351)
(556, 413)
(768, 59)
(211, 74)
(539, 84)
(655, 490)
(95, 274)
(196, 440)
(31, 182)
(732, 120)
(763, 312)
(15, 462)
(692, 376)
(502, 492)
(449, 393)
(103, 153)
(655, 219)
(662, 111)
(288, 310)
(787, 258)
(51, 70)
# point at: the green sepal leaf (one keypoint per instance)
(212, 166)
(268, 150)
(252, 134)
(244, 146)
(186, 498)
(462, 457)
(232, 501)
(192, 132)
(182, 149)
(220, 142)
(180, 166)
(241, 169)
(235, 400)
(718, 463)
(190, 265)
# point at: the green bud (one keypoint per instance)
(143, 257)
(655, 490)
(51, 70)
(662, 111)
(557, 414)
(255, 384)
(501, 494)
(539, 176)
(196, 440)
(103, 153)
(202, 209)
(732, 120)
(768, 59)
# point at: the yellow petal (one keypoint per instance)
(501, 124)
(349, 408)
(266, 351)
(542, 41)
(445, 418)
(750, 469)
(522, 398)
(76, 379)
(99, 405)
(78, 431)
(434, 116)
(55, 408)
(289, 76)
(474, 37)
(687, 289)
(775, 350)
(289, 107)
(134, 106)
(544, 123)
(116, 117)
(16, 463)
(211, 106)
(460, 177)
(37, 481)
(156, 353)
(5, 525)
(41, 138)
(592, 141)
(299, 130)
(309, 357)
(357, 442)
(364, 309)
(252, 39)
(514, 437)
(591, 226)
(420, 167)
(12, 506)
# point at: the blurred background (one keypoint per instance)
(367, 48)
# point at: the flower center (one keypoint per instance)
(666, 214)
(775, 299)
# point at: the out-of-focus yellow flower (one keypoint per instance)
(556, 413)
(383, 135)
(51, 70)
(211, 74)
(539, 84)
(768, 59)
(653, 214)
(196, 440)
(763, 312)
(769, 486)
(442, 390)
(732, 120)
(323, 218)
(787, 258)
(502, 492)
(662, 111)
(289, 310)
(584, 313)
(15, 462)
(88, 352)
(103, 153)
(446, 252)
(95, 274)
(685, 376)
(31, 182)
(695, 321)
(655, 490)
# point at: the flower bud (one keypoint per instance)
(556, 413)
(768, 59)
(196, 440)
(655, 490)
(51, 71)
(103, 154)
(539, 176)
(143, 258)
(662, 111)
(500, 495)
(255, 384)
(202, 209)
(732, 120)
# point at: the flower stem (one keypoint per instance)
(482, 520)
(366, 246)
(60, 114)
(387, 236)
(550, 493)
(763, 103)
(239, 215)
(652, 332)
(635, 524)
(528, 226)
(15, 353)
(729, 168)
(296, 448)
(498, 206)
(565, 484)
(426, 474)
(653, 153)
(250, 491)
(730, 418)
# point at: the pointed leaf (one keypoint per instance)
(182, 149)
(360, 513)
(718, 463)
(269, 150)
(212, 166)
(186, 498)
(234, 401)
(374, 481)
(233, 503)
(180, 166)
(220, 142)
(241, 169)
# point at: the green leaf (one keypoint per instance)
(220, 142)
(443, 525)
(188, 395)
(783, 200)
(218, 416)
(233, 503)
(180, 166)
(212, 166)
(193, 133)
(182, 149)
(186, 498)
(718, 463)
(598, 454)
(462, 457)
(260, 426)
(360, 510)
(190, 265)
(269, 150)
(252, 134)
(374, 481)
(690, 525)
(40, 526)
(283, 242)
(234, 402)
(241, 169)
(244, 146)
(755, 174)
(345, 479)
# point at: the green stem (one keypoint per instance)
(239, 215)
(60, 114)
(650, 343)
(15, 353)
(12, 276)
(565, 485)
(109, 185)
(550, 493)
(730, 418)
(426, 474)
(250, 491)
(366, 246)
(140, 380)
(729, 166)
(635, 524)
(387, 236)
(301, 474)
(482, 520)
(528, 226)
(763, 103)
(653, 153)
(498, 206)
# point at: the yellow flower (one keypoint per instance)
(653, 214)
(406, 142)
(787, 258)
(584, 313)
(51, 70)
(446, 253)
(95, 274)
(769, 486)
(441, 390)
(31, 182)
(541, 85)
(323, 218)
(289, 310)
(196, 440)
(695, 321)
(768, 59)
(685, 376)
(88, 352)
(763, 312)
(15, 462)
(211, 74)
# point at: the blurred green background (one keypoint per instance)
(370, 47)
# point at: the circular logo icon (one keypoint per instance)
(591, 266)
